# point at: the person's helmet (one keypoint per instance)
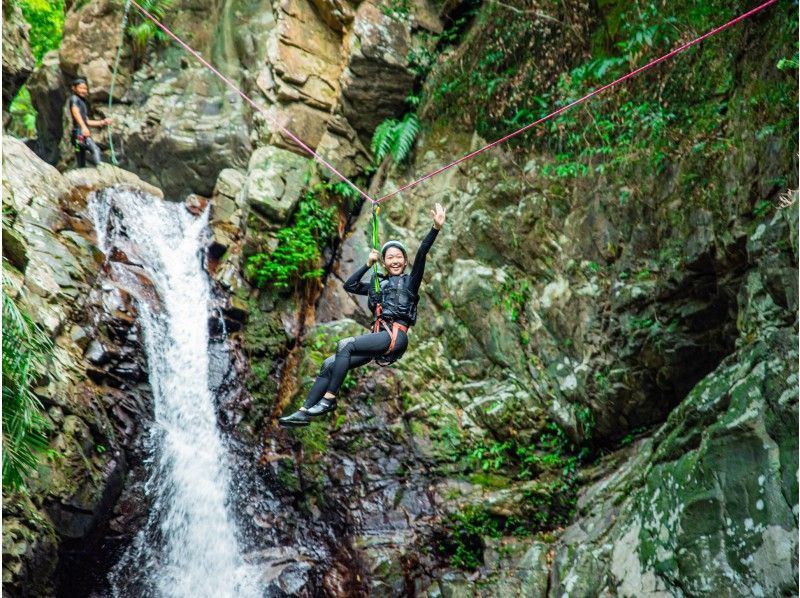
(393, 243)
(78, 81)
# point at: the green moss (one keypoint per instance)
(550, 502)
(314, 439)
(489, 480)
(449, 440)
(265, 342)
(264, 334)
(287, 476)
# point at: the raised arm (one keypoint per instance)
(418, 270)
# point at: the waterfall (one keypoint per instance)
(188, 547)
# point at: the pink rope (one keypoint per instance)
(244, 96)
(579, 101)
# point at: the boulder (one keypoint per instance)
(195, 204)
(106, 175)
(32, 191)
(91, 37)
(227, 220)
(275, 180)
(341, 147)
(227, 202)
(305, 122)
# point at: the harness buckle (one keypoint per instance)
(395, 328)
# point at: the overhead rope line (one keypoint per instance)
(472, 154)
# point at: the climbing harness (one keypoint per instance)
(471, 155)
(114, 77)
(395, 328)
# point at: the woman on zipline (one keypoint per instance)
(395, 309)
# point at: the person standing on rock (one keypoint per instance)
(81, 135)
(395, 310)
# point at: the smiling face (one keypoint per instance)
(395, 261)
(81, 89)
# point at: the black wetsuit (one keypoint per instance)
(356, 351)
(82, 144)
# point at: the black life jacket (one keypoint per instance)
(398, 302)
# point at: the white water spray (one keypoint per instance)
(188, 548)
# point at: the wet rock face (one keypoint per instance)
(96, 394)
(360, 476)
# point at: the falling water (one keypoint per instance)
(188, 548)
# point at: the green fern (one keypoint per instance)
(142, 30)
(405, 134)
(25, 352)
(383, 139)
(395, 137)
